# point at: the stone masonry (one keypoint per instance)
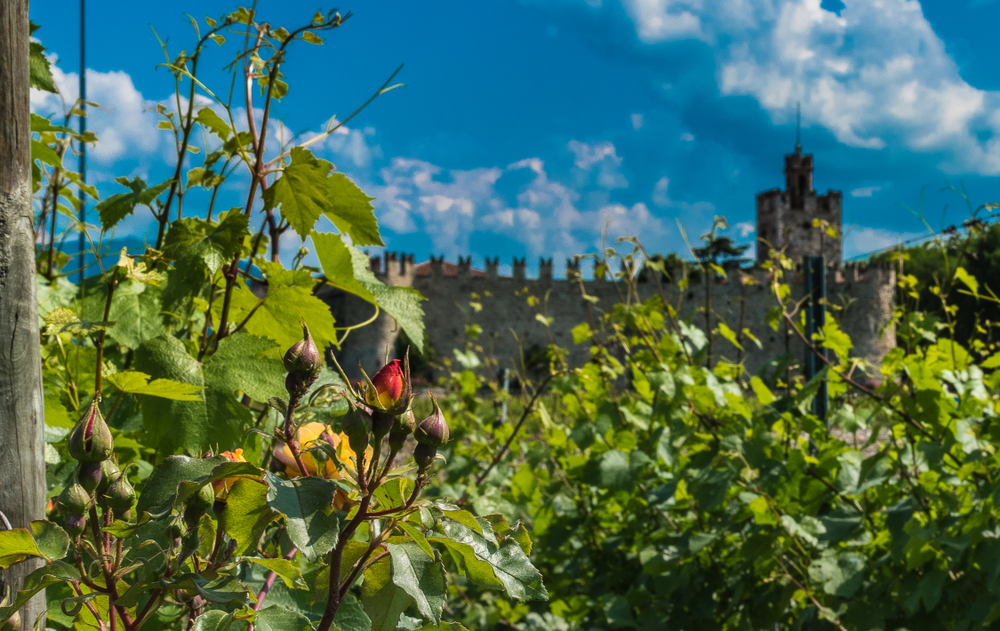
(864, 294)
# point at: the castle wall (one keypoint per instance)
(510, 325)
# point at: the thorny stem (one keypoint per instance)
(333, 592)
(112, 285)
(517, 427)
(268, 583)
(291, 438)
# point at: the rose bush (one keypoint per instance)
(308, 517)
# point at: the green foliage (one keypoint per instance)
(117, 207)
(229, 501)
(39, 68)
(952, 279)
(664, 493)
(307, 505)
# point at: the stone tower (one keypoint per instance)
(785, 218)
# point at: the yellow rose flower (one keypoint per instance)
(222, 487)
(309, 437)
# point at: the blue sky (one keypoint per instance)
(525, 125)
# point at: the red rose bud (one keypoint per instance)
(89, 475)
(433, 430)
(75, 524)
(304, 355)
(74, 500)
(90, 440)
(389, 390)
(423, 455)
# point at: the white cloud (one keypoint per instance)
(550, 216)
(123, 123)
(637, 121)
(876, 76)
(664, 20)
(661, 198)
(589, 155)
(687, 137)
(745, 228)
(865, 191)
(602, 155)
(412, 197)
(860, 240)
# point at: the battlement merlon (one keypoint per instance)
(518, 269)
(400, 269)
(545, 269)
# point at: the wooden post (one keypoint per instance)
(22, 467)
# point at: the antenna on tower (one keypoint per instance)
(798, 126)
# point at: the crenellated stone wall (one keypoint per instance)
(865, 293)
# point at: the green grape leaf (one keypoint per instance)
(218, 419)
(65, 320)
(421, 576)
(117, 207)
(195, 240)
(136, 303)
(306, 503)
(39, 69)
(44, 153)
(351, 210)
(336, 259)
(134, 382)
(41, 124)
(274, 319)
(401, 303)
(307, 189)
(214, 123)
(300, 191)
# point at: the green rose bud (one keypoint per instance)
(89, 475)
(109, 471)
(120, 496)
(402, 427)
(423, 455)
(90, 440)
(357, 425)
(74, 500)
(74, 524)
